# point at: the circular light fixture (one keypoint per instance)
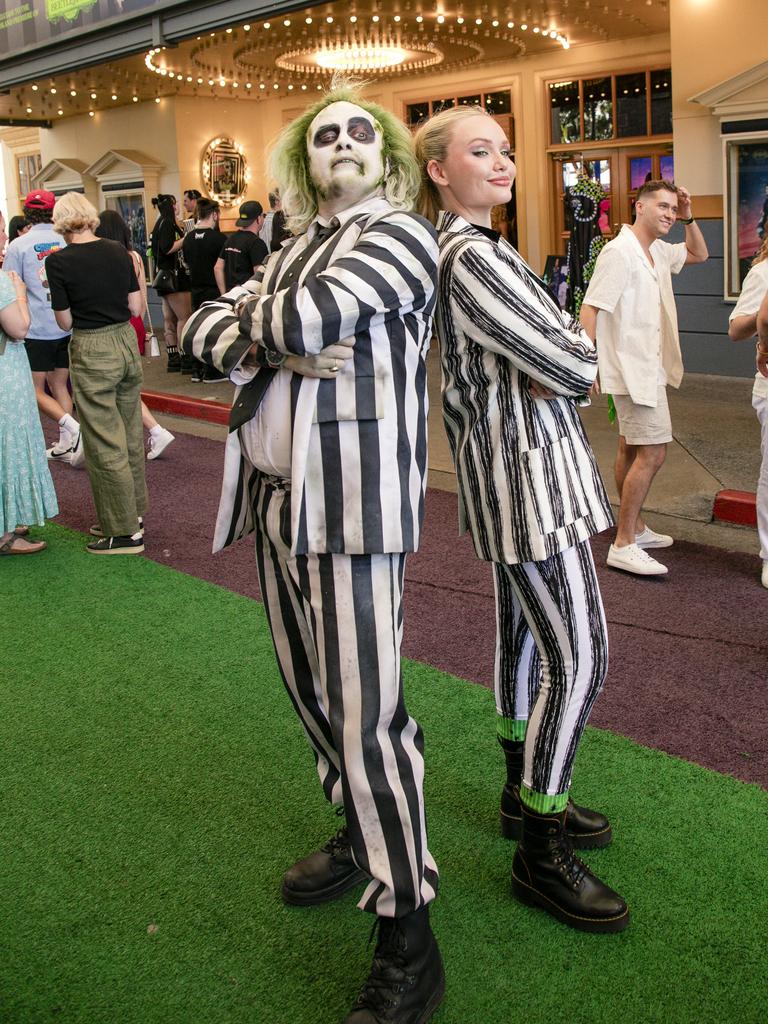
(361, 55)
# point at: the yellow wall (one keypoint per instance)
(711, 41)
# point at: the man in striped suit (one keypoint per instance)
(326, 460)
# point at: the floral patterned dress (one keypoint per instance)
(26, 489)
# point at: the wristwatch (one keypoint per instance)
(686, 220)
(274, 359)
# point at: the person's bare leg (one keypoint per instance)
(46, 403)
(147, 418)
(648, 460)
(181, 306)
(57, 382)
(625, 456)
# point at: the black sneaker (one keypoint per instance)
(174, 361)
(116, 546)
(212, 376)
(96, 530)
(188, 364)
(198, 375)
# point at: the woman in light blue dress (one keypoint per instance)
(26, 488)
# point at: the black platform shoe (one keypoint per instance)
(324, 875)
(586, 830)
(174, 361)
(407, 983)
(546, 873)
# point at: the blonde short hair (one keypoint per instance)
(431, 142)
(73, 213)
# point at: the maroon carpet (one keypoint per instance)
(689, 653)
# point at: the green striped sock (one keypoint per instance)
(543, 803)
(513, 729)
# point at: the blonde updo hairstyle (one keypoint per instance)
(431, 142)
(73, 213)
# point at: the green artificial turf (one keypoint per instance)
(156, 783)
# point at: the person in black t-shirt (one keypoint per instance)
(201, 249)
(167, 236)
(94, 293)
(243, 250)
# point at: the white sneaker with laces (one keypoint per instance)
(632, 558)
(650, 539)
(764, 575)
(159, 442)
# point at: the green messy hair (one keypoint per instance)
(289, 159)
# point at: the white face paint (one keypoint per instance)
(345, 146)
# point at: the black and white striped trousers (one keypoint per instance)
(336, 623)
(551, 658)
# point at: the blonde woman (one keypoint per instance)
(743, 327)
(94, 293)
(530, 495)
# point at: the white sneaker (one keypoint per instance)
(158, 443)
(61, 451)
(650, 539)
(764, 575)
(633, 559)
(77, 455)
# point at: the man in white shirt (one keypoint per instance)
(750, 316)
(629, 310)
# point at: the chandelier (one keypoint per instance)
(362, 54)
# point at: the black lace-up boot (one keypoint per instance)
(406, 983)
(546, 873)
(324, 875)
(586, 829)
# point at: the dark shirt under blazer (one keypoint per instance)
(529, 486)
(359, 445)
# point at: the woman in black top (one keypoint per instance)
(167, 237)
(94, 293)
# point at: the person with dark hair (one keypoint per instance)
(46, 344)
(112, 226)
(17, 225)
(243, 250)
(201, 249)
(189, 202)
(629, 307)
(166, 239)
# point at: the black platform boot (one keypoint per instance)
(324, 875)
(174, 359)
(407, 983)
(546, 873)
(586, 829)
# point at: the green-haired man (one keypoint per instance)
(326, 460)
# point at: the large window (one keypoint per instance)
(623, 106)
(498, 103)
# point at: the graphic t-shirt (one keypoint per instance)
(93, 280)
(242, 252)
(28, 255)
(201, 249)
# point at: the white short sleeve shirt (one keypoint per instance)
(752, 294)
(637, 338)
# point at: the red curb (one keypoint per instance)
(181, 405)
(735, 507)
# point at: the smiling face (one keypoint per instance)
(657, 212)
(477, 172)
(345, 148)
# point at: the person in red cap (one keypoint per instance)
(46, 343)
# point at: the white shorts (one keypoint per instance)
(641, 424)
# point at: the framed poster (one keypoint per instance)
(555, 277)
(746, 205)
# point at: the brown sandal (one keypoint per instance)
(18, 546)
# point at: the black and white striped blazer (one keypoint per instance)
(359, 443)
(529, 486)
